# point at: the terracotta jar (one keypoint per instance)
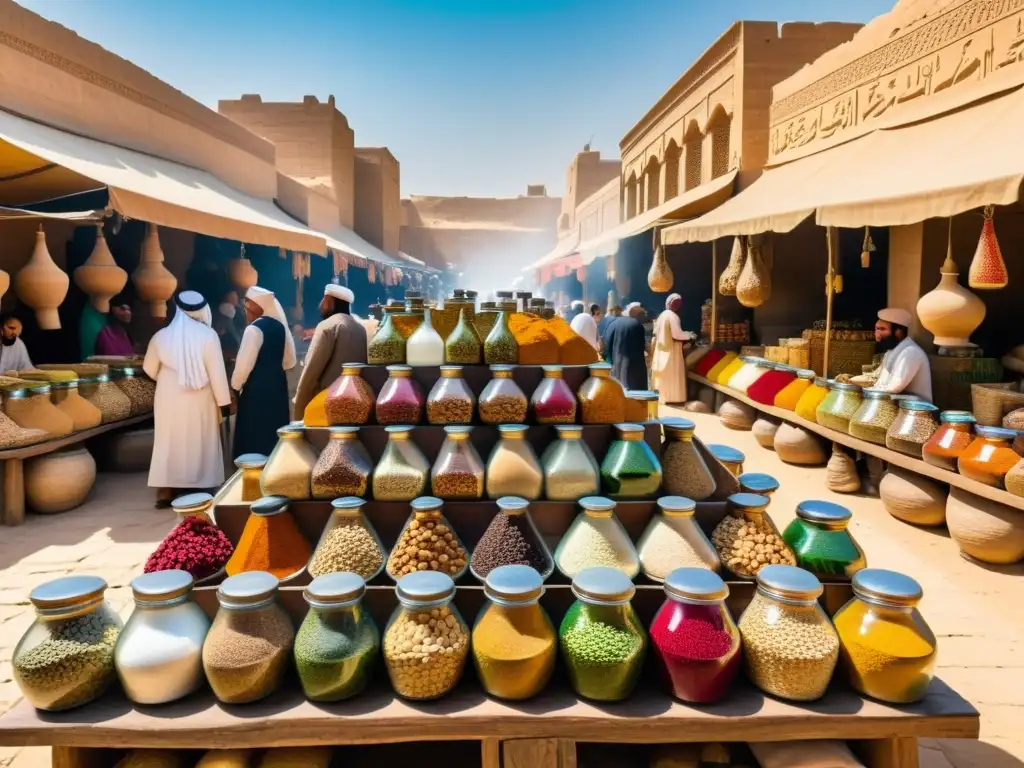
(985, 530)
(153, 281)
(955, 433)
(99, 276)
(42, 285)
(59, 481)
(950, 311)
(990, 456)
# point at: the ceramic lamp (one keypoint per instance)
(99, 276)
(153, 281)
(42, 285)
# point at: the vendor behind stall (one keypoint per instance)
(905, 366)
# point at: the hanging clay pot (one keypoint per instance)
(950, 311)
(99, 276)
(5, 283)
(731, 276)
(152, 279)
(242, 274)
(754, 286)
(42, 285)
(988, 270)
(660, 278)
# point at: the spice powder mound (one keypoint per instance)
(273, 544)
(428, 545)
(193, 545)
(507, 541)
(425, 652)
(347, 547)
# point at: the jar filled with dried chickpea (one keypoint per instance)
(747, 540)
(502, 401)
(427, 543)
(458, 472)
(602, 398)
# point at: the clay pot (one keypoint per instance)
(912, 498)
(841, 472)
(985, 530)
(242, 274)
(153, 281)
(736, 415)
(950, 311)
(796, 445)
(5, 282)
(1015, 479)
(59, 481)
(764, 430)
(99, 276)
(696, 406)
(126, 451)
(42, 285)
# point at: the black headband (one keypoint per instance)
(190, 307)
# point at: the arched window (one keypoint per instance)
(631, 196)
(671, 170)
(693, 148)
(653, 183)
(720, 130)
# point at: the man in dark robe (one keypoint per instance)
(625, 348)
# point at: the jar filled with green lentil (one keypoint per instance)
(601, 639)
(874, 416)
(501, 347)
(337, 644)
(463, 346)
(839, 405)
(821, 541)
(387, 346)
(570, 469)
(66, 658)
(630, 469)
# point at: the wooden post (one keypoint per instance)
(830, 274)
(714, 291)
(14, 492)
(530, 753)
(898, 752)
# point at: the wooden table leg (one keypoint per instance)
(898, 752)
(14, 492)
(490, 753)
(530, 753)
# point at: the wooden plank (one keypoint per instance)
(530, 753)
(901, 460)
(897, 752)
(566, 753)
(38, 449)
(490, 753)
(14, 492)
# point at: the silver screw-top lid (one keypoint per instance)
(889, 587)
(161, 586)
(426, 504)
(335, 590)
(269, 505)
(247, 589)
(749, 500)
(789, 582)
(677, 505)
(67, 593)
(826, 512)
(696, 584)
(424, 588)
(251, 461)
(603, 586)
(597, 505)
(513, 505)
(514, 584)
(191, 502)
(758, 483)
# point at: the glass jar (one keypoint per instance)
(159, 654)
(790, 648)
(427, 540)
(758, 483)
(731, 369)
(747, 540)
(839, 406)
(511, 539)
(66, 657)
(344, 466)
(401, 398)
(350, 397)
(950, 440)
(458, 472)
(514, 643)
(694, 639)
(512, 468)
(349, 543)
(765, 389)
(83, 414)
(602, 641)
(821, 541)
(403, 471)
(813, 396)
(246, 652)
(747, 375)
(337, 643)
(602, 399)
(913, 426)
(251, 465)
(425, 346)
(553, 402)
(271, 541)
(105, 395)
(887, 648)
(463, 347)
(570, 469)
(730, 458)
(141, 391)
(719, 367)
(450, 400)
(502, 401)
(873, 418)
(673, 540)
(596, 538)
(195, 545)
(790, 395)
(32, 408)
(641, 405)
(387, 347)
(289, 470)
(685, 471)
(630, 469)
(990, 456)
(501, 347)
(426, 641)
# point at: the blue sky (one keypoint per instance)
(475, 98)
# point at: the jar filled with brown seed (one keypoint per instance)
(458, 472)
(684, 471)
(348, 543)
(350, 397)
(427, 543)
(502, 401)
(344, 466)
(602, 399)
(403, 471)
(747, 540)
(140, 390)
(450, 400)
(107, 396)
(913, 426)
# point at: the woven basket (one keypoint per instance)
(799, 357)
(991, 402)
(843, 356)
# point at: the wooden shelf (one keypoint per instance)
(901, 460)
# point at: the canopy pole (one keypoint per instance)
(830, 237)
(714, 293)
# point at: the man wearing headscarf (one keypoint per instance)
(267, 351)
(625, 348)
(668, 363)
(585, 325)
(905, 366)
(192, 394)
(338, 339)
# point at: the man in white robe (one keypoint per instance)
(585, 325)
(905, 366)
(668, 363)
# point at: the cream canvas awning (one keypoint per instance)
(564, 247)
(163, 192)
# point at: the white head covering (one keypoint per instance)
(272, 308)
(896, 315)
(188, 337)
(339, 292)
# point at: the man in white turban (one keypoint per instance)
(267, 351)
(668, 363)
(338, 339)
(905, 366)
(192, 395)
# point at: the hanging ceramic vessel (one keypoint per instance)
(731, 276)
(242, 273)
(5, 282)
(950, 311)
(754, 286)
(152, 279)
(660, 278)
(99, 276)
(867, 249)
(988, 270)
(42, 285)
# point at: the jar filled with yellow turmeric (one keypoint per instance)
(807, 405)
(887, 649)
(790, 395)
(602, 399)
(514, 644)
(718, 368)
(251, 465)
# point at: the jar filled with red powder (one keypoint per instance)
(770, 384)
(695, 641)
(401, 398)
(553, 402)
(194, 545)
(271, 541)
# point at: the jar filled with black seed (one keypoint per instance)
(511, 539)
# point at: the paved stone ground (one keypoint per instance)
(976, 612)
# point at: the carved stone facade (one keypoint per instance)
(587, 173)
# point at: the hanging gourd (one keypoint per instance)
(988, 270)
(154, 283)
(660, 277)
(241, 272)
(42, 285)
(867, 249)
(731, 276)
(754, 286)
(99, 276)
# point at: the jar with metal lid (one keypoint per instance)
(950, 440)
(552, 401)
(694, 639)
(570, 469)
(747, 540)
(820, 538)
(630, 469)
(748, 374)
(450, 401)
(512, 468)
(813, 396)
(873, 418)
(758, 483)
(602, 400)
(458, 472)
(673, 539)
(511, 538)
(403, 471)
(463, 346)
(641, 405)
(502, 401)
(427, 540)
(271, 541)
(500, 346)
(248, 647)
(83, 414)
(159, 653)
(426, 642)
(425, 345)
(401, 398)
(350, 397)
(913, 426)
(513, 641)
(31, 408)
(289, 469)
(839, 406)
(251, 465)
(348, 543)
(344, 466)
(195, 545)
(685, 473)
(66, 657)
(730, 458)
(990, 456)
(596, 538)
(790, 648)
(387, 347)
(602, 641)
(790, 395)
(107, 396)
(888, 651)
(337, 643)
(140, 389)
